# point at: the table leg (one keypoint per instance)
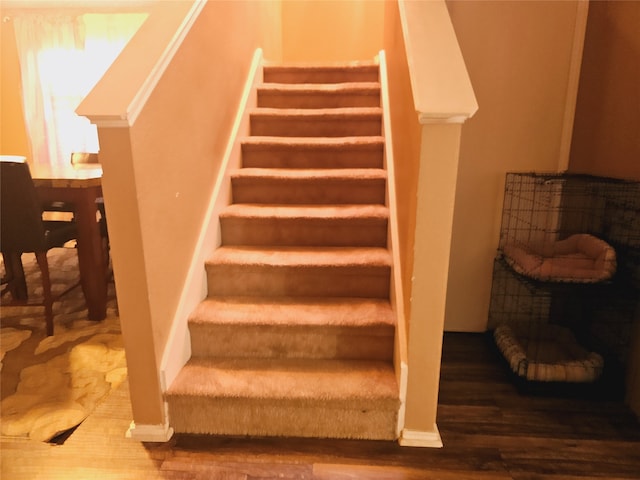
(90, 256)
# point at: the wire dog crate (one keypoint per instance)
(566, 281)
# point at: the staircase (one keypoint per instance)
(296, 336)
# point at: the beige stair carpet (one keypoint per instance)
(296, 335)
(315, 398)
(290, 327)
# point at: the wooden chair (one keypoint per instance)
(79, 160)
(24, 231)
(84, 160)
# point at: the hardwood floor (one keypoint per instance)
(489, 430)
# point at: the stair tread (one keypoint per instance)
(295, 311)
(323, 257)
(314, 142)
(301, 212)
(301, 380)
(344, 87)
(327, 73)
(295, 113)
(320, 66)
(311, 174)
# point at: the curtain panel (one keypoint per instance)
(61, 58)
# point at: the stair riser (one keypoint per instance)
(240, 280)
(325, 75)
(268, 341)
(296, 232)
(294, 126)
(302, 192)
(317, 100)
(295, 157)
(238, 416)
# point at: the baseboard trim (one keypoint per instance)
(419, 438)
(150, 433)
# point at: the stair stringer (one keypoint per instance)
(400, 355)
(178, 348)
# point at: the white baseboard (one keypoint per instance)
(150, 433)
(418, 438)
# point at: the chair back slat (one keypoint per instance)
(84, 159)
(22, 229)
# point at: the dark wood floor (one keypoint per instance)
(489, 429)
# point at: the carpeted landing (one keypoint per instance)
(296, 336)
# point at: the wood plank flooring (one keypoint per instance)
(490, 432)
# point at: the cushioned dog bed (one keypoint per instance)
(580, 258)
(547, 353)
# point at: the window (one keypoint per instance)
(61, 58)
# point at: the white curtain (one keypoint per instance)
(61, 59)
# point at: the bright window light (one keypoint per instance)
(62, 58)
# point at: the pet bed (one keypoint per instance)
(547, 353)
(580, 258)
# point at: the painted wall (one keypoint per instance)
(519, 57)
(606, 136)
(13, 137)
(331, 30)
(431, 96)
(406, 142)
(158, 177)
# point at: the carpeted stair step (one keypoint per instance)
(305, 225)
(309, 152)
(285, 397)
(355, 72)
(284, 95)
(293, 327)
(309, 186)
(296, 336)
(317, 122)
(299, 271)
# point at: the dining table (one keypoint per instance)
(79, 188)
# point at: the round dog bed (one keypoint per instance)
(580, 258)
(547, 353)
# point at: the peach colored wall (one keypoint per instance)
(132, 284)
(431, 96)
(159, 173)
(519, 57)
(606, 136)
(406, 142)
(439, 150)
(13, 137)
(331, 30)
(175, 169)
